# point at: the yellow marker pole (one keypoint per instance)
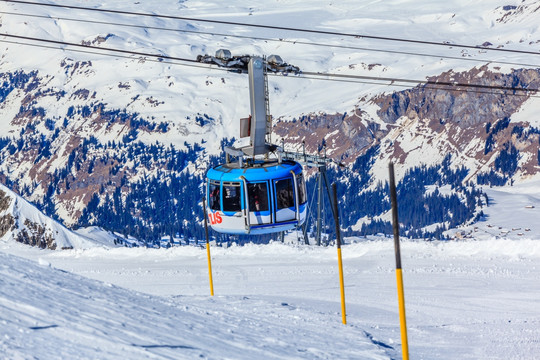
(208, 249)
(342, 287)
(210, 269)
(399, 275)
(340, 261)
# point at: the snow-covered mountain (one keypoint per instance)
(24, 223)
(122, 141)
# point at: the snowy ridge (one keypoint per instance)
(30, 226)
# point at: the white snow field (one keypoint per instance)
(475, 299)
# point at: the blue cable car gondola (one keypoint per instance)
(256, 195)
(265, 197)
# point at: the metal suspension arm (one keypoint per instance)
(297, 205)
(330, 197)
(246, 197)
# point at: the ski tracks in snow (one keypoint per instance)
(55, 314)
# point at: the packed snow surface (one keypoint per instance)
(464, 299)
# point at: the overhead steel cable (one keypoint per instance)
(116, 55)
(161, 57)
(274, 27)
(130, 52)
(392, 83)
(425, 85)
(278, 40)
(427, 82)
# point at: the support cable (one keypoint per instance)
(279, 40)
(274, 27)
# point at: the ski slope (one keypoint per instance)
(58, 315)
(465, 300)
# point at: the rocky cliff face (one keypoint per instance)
(7, 223)
(344, 135)
(474, 124)
(425, 123)
(461, 106)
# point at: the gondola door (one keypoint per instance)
(259, 203)
(284, 200)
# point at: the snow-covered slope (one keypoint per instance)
(512, 213)
(173, 92)
(23, 222)
(54, 314)
(176, 94)
(464, 300)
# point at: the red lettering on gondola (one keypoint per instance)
(215, 218)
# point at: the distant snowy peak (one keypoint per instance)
(22, 222)
(518, 13)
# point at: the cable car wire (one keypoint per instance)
(279, 40)
(454, 86)
(428, 82)
(423, 84)
(284, 28)
(65, 43)
(145, 59)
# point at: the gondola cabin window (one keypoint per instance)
(231, 196)
(302, 197)
(285, 193)
(213, 190)
(258, 196)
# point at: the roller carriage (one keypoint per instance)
(255, 191)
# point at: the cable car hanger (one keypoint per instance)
(256, 194)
